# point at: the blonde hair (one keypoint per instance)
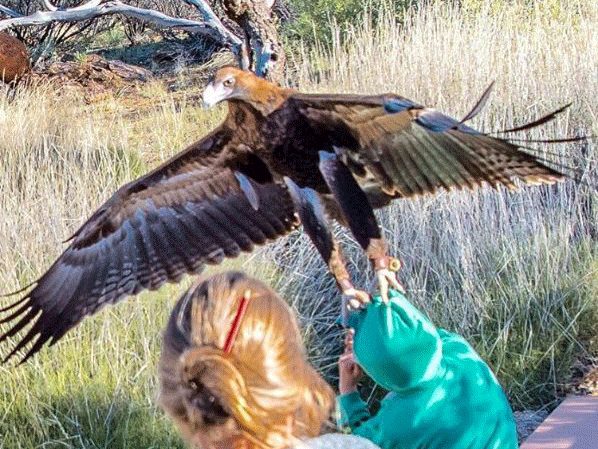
(263, 390)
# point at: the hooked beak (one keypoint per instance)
(213, 95)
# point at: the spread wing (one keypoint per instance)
(196, 209)
(399, 148)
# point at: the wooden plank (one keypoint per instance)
(572, 425)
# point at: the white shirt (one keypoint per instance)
(336, 441)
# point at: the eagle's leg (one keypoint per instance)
(361, 220)
(311, 213)
(352, 297)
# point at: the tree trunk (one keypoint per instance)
(256, 19)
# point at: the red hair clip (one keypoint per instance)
(234, 330)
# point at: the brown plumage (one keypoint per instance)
(246, 182)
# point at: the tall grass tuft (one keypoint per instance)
(514, 272)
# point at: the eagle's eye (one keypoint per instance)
(228, 82)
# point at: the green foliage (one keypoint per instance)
(315, 19)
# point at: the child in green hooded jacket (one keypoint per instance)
(442, 395)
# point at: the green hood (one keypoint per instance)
(385, 344)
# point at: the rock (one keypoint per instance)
(14, 59)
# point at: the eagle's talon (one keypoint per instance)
(387, 277)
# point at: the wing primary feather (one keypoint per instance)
(21, 290)
(479, 105)
(16, 303)
(52, 287)
(563, 140)
(447, 164)
(440, 172)
(539, 155)
(15, 329)
(416, 166)
(28, 337)
(35, 283)
(535, 123)
(34, 348)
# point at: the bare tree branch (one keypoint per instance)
(9, 12)
(253, 16)
(240, 47)
(211, 18)
(96, 8)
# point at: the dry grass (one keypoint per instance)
(514, 272)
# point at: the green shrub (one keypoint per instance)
(315, 18)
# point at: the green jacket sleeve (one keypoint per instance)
(353, 411)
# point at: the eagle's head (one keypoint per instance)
(230, 83)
